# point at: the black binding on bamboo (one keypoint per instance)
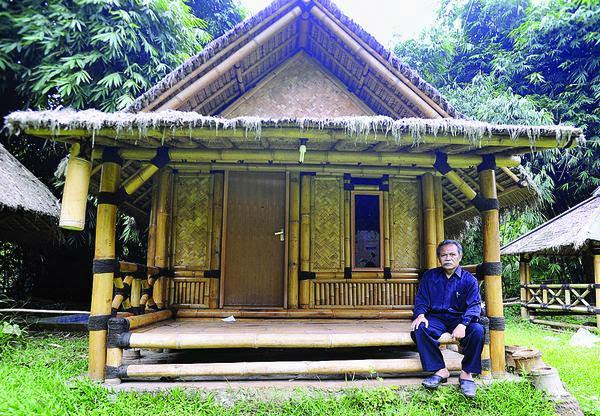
(387, 273)
(441, 163)
(485, 322)
(490, 268)
(488, 162)
(165, 272)
(350, 182)
(98, 322)
(347, 272)
(124, 291)
(105, 266)
(118, 333)
(214, 274)
(111, 155)
(115, 372)
(497, 323)
(485, 204)
(486, 364)
(113, 198)
(162, 157)
(307, 275)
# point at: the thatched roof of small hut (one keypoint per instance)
(568, 233)
(28, 210)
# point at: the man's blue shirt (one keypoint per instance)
(455, 296)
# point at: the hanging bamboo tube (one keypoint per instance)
(493, 283)
(429, 225)
(305, 185)
(217, 222)
(162, 238)
(102, 287)
(524, 275)
(75, 192)
(597, 284)
(294, 241)
(439, 209)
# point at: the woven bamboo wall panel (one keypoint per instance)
(190, 292)
(357, 293)
(327, 225)
(192, 221)
(405, 219)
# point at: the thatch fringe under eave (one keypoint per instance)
(364, 127)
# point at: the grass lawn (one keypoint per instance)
(38, 377)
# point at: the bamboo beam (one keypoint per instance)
(296, 313)
(224, 66)
(140, 321)
(305, 203)
(525, 278)
(217, 222)
(377, 66)
(273, 368)
(493, 283)
(162, 237)
(294, 241)
(75, 192)
(102, 286)
(439, 209)
(429, 223)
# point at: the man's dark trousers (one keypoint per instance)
(428, 344)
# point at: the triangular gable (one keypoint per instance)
(233, 64)
(299, 88)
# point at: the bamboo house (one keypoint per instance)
(294, 172)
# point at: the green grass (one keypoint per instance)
(579, 368)
(39, 376)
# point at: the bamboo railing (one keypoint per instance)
(568, 297)
(363, 293)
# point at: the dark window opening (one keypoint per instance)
(367, 231)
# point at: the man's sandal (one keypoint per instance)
(434, 381)
(468, 388)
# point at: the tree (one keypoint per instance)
(220, 15)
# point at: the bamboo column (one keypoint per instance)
(162, 237)
(136, 295)
(347, 233)
(525, 277)
(217, 222)
(294, 240)
(596, 253)
(386, 231)
(491, 255)
(104, 253)
(305, 183)
(439, 209)
(429, 225)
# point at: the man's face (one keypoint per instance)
(449, 257)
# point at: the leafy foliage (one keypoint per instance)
(220, 15)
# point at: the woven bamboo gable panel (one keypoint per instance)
(327, 225)
(192, 221)
(405, 218)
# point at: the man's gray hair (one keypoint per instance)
(447, 242)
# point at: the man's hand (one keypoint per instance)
(459, 332)
(420, 319)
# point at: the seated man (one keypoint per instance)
(448, 300)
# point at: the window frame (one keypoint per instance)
(353, 194)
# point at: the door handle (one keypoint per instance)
(280, 234)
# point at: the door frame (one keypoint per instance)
(224, 241)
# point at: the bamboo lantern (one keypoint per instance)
(429, 225)
(294, 240)
(217, 221)
(102, 286)
(597, 282)
(439, 209)
(162, 238)
(524, 274)
(493, 284)
(75, 193)
(305, 239)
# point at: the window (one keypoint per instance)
(367, 230)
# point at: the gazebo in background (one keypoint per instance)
(575, 232)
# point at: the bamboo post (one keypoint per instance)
(305, 185)
(439, 209)
(162, 238)
(75, 192)
(294, 240)
(104, 254)
(525, 277)
(491, 256)
(386, 231)
(347, 232)
(136, 295)
(596, 253)
(217, 222)
(429, 226)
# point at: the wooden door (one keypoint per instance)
(254, 255)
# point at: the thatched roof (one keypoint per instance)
(568, 233)
(316, 39)
(28, 210)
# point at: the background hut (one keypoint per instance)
(574, 233)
